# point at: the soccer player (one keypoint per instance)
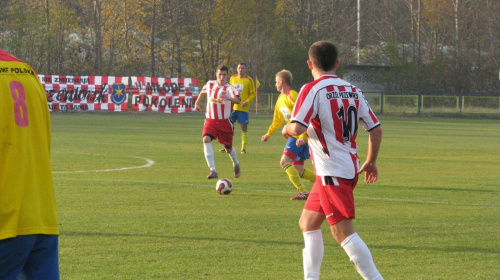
(29, 231)
(296, 149)
(220, 96)
(330, 110)
(246, 87)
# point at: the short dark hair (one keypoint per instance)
(324, 55)
(242, 63)
(222, 67)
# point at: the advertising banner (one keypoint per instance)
(85, 93)
(164, 95)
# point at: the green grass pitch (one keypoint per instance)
(134, 201)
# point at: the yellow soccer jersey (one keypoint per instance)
(246, 87)
(27, 200)
(283, 112)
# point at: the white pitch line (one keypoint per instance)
(149, 163)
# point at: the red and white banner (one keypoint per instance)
(85, 93)
(164, 95)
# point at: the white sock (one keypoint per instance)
(360, 257)
(209, 155)
(312, 254)
(234, 157)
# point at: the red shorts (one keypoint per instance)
(334, 197)
(222, 130)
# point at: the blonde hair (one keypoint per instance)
(286, 76)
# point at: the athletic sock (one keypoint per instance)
(233, 156)
(360, 257)
(308, 175)
(209, 155)
(312, 254)
(294, 177)
(244, 138)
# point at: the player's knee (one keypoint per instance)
(304, 224)
(207, 139)
(284, 161)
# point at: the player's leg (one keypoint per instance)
(43, 262)
(244, 137)
(209, 155)
(337, 201)
(13, 255)
(305, 173)
(226, 138)
(310, 222)
(233, 118)
(244, 120)
(356, 249)
(293, 174)
(289, 155)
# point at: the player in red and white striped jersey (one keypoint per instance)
(330, 109)
(220, 98)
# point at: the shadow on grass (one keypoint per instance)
(299, 243)
(437, 189)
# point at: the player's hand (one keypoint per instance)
(264, 138)
(300, 142)
(197, 108)
(371, 172)
(244, 104)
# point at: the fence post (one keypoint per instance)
(420, 101)
(460, 100)
(382, 103)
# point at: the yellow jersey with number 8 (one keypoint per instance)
(27, 199)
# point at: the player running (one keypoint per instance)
(330, 109)
(296, 149)
(217, 125)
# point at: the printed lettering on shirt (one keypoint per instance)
(286, 113)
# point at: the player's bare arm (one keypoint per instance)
(370, 165)
(236, 100)
(197, 107)
(293, 129)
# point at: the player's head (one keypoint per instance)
(323, 55)
(221, 74)
(242, 69)
(283, 77)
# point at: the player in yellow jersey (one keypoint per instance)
(296, 149)
(246, 87)
(28, 214)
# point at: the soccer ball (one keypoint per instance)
(224, 186)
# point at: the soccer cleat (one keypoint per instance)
(243, 151)
(222, 150)
(236, 170)
(300, 196)
(212, 175)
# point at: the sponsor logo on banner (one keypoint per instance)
(118, 93)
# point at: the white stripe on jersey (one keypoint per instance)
(331, 108)
(219, 108)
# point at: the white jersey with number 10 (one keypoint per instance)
(331, 108)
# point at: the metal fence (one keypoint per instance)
(409, 102)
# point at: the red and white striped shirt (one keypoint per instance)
(331, 108)
(218, 107)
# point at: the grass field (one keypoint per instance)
(134, 202)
